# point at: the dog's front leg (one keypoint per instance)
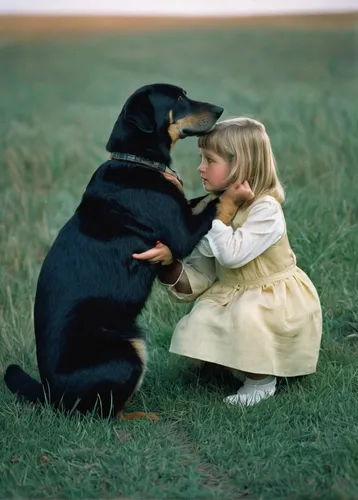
(184, 233)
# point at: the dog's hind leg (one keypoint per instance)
(104, 388)
(139, 346)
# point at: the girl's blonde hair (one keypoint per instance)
(244, 143)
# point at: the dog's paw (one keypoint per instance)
(139, 415)
(154, 417)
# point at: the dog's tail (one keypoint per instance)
(20, 383)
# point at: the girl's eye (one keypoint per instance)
(210, 160)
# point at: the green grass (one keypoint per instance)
(58, 102)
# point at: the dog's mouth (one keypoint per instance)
(202, 132)
(201, 122)
(200, 128)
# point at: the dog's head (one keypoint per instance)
(157, 115)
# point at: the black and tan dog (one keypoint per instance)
(90, 351)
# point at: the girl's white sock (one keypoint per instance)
(253, 391)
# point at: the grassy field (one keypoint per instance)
(58, 100)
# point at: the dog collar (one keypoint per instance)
(144, 162)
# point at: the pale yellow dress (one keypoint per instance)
(264, 317)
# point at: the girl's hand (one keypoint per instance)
(160, 254)
(239, 193)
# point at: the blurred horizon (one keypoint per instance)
(200, 8)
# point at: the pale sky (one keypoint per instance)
(175, 7)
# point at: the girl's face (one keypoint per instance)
(214, 171)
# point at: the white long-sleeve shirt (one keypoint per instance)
(263, 227)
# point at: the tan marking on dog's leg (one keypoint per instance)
(227, 210)
(140, 348)
(202, 204)
(138, 415)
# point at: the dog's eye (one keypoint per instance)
(180, 98)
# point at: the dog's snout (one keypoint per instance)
(218, 111)
(200, 118)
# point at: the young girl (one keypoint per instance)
(256, 312)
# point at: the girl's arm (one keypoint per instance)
(187, 281)
(196, 275)
(183, 281)
(264, 226)
(175, 276)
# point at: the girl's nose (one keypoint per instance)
(201, 168)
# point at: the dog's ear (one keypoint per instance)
(139, 110)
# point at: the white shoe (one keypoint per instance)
(252, 393)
